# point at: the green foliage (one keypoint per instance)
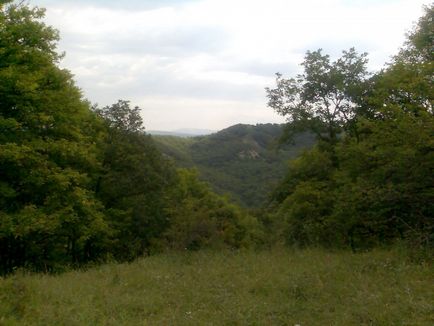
(176, 148)
(134, 182)
(323, 99)
(418, 47)
(242, 161)
(386, 177)
(47, 152)
(78, 185)
(199, 218)
(312, 165)
(372, 186)
(121, 117)
(304, 201)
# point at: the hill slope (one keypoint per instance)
(242, 160)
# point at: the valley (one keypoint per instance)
(243, 161)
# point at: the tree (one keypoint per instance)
(379, 187)
(384, 183)
(134, 182)
(121, 117)
(303, 202)
(418, 47)
(200, 218)
(324, 98)
(386, 176)
(48, 212)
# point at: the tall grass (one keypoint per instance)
(277, 287)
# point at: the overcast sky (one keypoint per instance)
(205, 63)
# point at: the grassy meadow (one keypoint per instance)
(276, 287)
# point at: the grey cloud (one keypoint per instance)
(164, 83)
(170, 42)
(263, 69)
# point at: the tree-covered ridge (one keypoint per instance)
(244, 161)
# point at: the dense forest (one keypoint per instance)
(81, 183)
(369, 179)
(245, 162)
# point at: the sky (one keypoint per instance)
(205, 63)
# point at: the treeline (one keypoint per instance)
(369, 181)
(81, 183)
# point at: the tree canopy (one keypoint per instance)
(323, 99)
(47, 152)
(379, 187)
(77, 183)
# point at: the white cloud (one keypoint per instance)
(214, 114)
(205, 63)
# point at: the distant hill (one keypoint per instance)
(187, 132)
(242, 160)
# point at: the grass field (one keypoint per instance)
(277, 287)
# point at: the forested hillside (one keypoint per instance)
(81, 183)
(244, 161)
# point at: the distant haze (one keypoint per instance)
(184, 132)
(205, 63)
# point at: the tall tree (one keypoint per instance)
(48, 212)
(380, 189)
(121, 117)
(134, 182)
(323, 99)
(389, 172)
